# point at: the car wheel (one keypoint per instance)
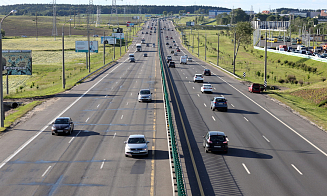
(126, 155)
(206, 150)
(146, 155)
(52, 133)
(56, 134)
(226, 110)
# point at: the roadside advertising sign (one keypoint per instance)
(81, 46)
(118, 35)
(110, 39)
(17, 62)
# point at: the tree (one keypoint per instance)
(3, 33)
(243, 32)
(164, 13)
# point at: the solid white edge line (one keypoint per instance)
(46, 171)
(297, 169)
(246, 169)
(265, 138)
(3, 163)
(102, 163)
(324, 153)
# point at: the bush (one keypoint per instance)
(323, 79)
(286, 61)
(301, 82)
(278, 61)
(281, 81)
(291, 78)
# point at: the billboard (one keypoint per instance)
(189, 23)
(110, 39)
(17, 62)
(136, 17)
(118, 35)
(81, 46)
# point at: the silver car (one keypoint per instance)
(144, 95)
(136, 145)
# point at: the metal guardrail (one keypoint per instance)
(293, 54)
(177, 166)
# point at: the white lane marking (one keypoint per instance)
(98, 105)
(246, 119)
(127, 103)
(193, 87)
(121, 116)
(198, 95)
(106, 96)
(297, 169)
(46, 171)
(214, 88)
(186, 77)
(290, 128)
(3, 163)
(114, 135)
(246, 169)
(265, 138)
(75, 137)
(131, 93)
(102, 163)
(87, 119)
(232, 105)
(213, 118)
(204, 105)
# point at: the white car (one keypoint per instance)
(206, 88)
(144, 95)
(136, 145)
(189, 59)
(198, 78)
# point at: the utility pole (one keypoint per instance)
(193, 43)
(120, 44)
(234, 53)
(205, 48)
(198, 45)
(265, 82)
(218, 51)
(104, 48)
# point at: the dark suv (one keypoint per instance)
(171, 64)
(219, 103)
(215, 141)
(207, 72)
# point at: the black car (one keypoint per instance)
(171, 64)
(170, 47)
(167, 43)
(207, 72)
(62, 125)
(215, 141)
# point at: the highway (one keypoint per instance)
(272, 151)
(91, 161)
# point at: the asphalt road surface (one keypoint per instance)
(272, 151)
(91, 161)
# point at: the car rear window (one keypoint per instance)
(145, 92)
(220, 100)
(217, 138)
(256, 85)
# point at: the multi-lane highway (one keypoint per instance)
(272, 151)
(91, 161)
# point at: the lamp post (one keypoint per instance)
(1, 69)
(63, 56)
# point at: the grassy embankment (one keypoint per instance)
(47, 66)
(306, 91)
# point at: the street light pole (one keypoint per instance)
(63, 55)
(1, 69)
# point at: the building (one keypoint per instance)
(265, 12)
(323, 13)
(214, 13)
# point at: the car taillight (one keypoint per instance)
(225, 142)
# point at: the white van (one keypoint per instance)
(183, 60)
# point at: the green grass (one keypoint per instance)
(19, 112)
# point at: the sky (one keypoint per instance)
(258, 5)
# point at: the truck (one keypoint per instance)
(183, 60)
(138, 47)
(143, 41)
(282, 48)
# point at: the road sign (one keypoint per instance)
(265, 83)
(243, 74)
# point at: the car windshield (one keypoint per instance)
(217, 138)
(136, 140)
(143, 92)
(61, 121)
